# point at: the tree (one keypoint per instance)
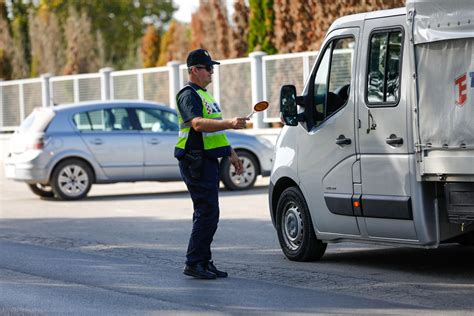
(238, 44)
(174, 43)
(122, 23)
(269, 14)
(82, 54)
(47, 43)
(324, 12)
(204, 29)
(261, 26)
(222, 29)
(284, 27)
(150, 48)
(5, 45)
(21, 57)
(301, 14)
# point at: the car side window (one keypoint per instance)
(383, 74)
(115, 119)
(156, 120)
(333, 78)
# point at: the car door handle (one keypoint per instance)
(342, 140)
(393, 140)
(97, 141)
(154, 141)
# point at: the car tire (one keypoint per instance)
(41, 190)
(71, 179)
(247, 179)
(295, 228)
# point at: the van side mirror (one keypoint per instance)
(288, 109)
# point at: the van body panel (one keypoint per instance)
(285, 163)
(386, 175)
(385, 167)
(323, 165)
(391, 228)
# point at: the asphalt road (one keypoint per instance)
(121, 251)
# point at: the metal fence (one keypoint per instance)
(237, 85)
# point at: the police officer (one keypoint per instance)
(201, 142)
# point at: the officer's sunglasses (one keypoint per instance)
(208, 68)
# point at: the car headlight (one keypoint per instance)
(265, 142)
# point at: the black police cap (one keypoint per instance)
(200, 57)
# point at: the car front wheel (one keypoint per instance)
(246, 180)
(295, 229)
(71, 179)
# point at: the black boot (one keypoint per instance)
(212, 268)
(199, 270)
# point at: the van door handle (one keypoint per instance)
(393, 140)
(342, 140)
(97, 141)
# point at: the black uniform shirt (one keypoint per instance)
(190, 106)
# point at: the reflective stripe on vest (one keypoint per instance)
(214, 141)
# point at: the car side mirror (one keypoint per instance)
(288, 109)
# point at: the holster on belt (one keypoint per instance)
(194, 159)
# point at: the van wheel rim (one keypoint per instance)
(73, 180)
(292, 226)
(248, 175)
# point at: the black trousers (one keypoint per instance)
(205, 195)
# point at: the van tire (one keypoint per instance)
(233, 182)
(41, 190)
(295, 228)
(79, 177)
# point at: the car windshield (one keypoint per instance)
(37, 121)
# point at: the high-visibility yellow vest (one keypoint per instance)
(216, 144)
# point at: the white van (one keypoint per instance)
(379, 147)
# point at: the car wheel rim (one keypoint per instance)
(248, 175)
(292, 226)
(73, 180)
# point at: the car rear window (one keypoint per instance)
(37, 121)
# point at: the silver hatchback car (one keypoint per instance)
(60, 151)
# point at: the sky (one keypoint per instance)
(187, 7)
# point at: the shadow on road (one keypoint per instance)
(248, 248)
(262, 189)
(251, 241)
(450, 260)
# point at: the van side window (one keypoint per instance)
(383, 75)
(333, 78)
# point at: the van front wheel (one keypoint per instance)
(295, 229)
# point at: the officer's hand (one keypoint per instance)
(239, 122)
(236, 162)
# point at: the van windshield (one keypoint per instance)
(37, 121)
